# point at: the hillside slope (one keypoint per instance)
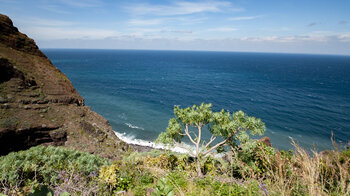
(39, 105)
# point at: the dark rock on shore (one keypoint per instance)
(140, 148)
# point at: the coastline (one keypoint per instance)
(146, 146)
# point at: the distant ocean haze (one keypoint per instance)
(304, 97)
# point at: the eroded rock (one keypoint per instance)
(39, 105)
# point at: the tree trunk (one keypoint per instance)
(197, 151)
(200, 174)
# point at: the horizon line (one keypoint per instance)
(191, 50)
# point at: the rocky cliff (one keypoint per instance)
(39, 105)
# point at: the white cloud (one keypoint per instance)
(45, 22)
(145, 30)
(344, 37)
(60, 6)
(145, 22)
(190, 20)
(181, 31)
(151, 33)
(10, 2)
(178, 20)
(55, 33)
(222, 29)
(54, 8)
(290, 39)
(82, 3)
(245, 18)
(269, 44)
(180, 8)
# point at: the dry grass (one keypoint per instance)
(304, 173)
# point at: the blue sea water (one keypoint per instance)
(300, 96)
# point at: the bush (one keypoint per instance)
(125, 176)
(116, 177)
(163, 188)
(231, 128)
(143, 184)
(163, 161)
(178, 179)
(211, 186)
(251, 158)
(42, 165)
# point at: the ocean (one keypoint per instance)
(304, 97)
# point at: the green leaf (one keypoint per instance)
(229, 127)
(171, 193)
(43, 191)
(65, 194)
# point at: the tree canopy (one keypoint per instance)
(229, 128)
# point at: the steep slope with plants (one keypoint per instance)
(39, 105)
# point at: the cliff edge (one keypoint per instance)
(39, 105)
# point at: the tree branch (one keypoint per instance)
(198, 139)
(188, 134)
(217, 145)
(212, 138)
(220, 143)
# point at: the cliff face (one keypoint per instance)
(39, 105)
(11, 37)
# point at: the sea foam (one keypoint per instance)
(131, 140)
(133, 126)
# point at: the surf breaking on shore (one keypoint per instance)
(131, 140)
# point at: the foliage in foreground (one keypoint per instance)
(249, 168)
(51, 166)
(232, 128)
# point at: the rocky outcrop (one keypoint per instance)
(12, 38)
(266, 141)
(39, 105)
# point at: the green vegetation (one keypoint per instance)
(249, 167)
(26, 171)
(64, 171)
(231, 128)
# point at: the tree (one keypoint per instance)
(230, 128)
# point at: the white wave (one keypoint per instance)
(133, 126)
(131, 140)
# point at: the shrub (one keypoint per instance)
(251, 159)
(163, 188)
(211, 186)
(143, 183)
(42, 165)
(125, 176)
(230, 128)
(178, 180)
(108, 174)
(116, 177)
(163, 161)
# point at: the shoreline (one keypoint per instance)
(140, 145)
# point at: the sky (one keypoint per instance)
(282, 26)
